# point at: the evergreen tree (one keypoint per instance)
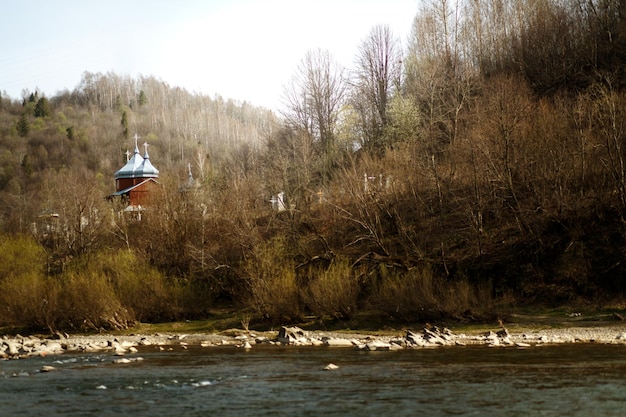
(142, 98)
(42, 108)
(22, 126)
(27, 166)
(124, 124)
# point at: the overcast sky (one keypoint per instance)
(240, 49)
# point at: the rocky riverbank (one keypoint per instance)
(14, 347)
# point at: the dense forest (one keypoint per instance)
(479, 166)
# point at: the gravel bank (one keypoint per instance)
(14, 347)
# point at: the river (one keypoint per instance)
(572, 379)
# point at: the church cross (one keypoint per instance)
(136, 137)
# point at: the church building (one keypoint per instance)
(135, 181)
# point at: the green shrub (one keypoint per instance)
(272, 284)
(25, 298)
(141, 290)
(19, 256)
(334, 291)
(108, 290)
(88, 302)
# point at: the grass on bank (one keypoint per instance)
(230, 321)
(375, 323)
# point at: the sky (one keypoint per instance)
(245, 50)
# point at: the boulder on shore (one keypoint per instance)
(337, 342)
(291, 335)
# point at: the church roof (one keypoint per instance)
(138, 166)
(147, 170)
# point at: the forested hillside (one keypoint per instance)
(481, 165)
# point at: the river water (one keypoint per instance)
(573, 380)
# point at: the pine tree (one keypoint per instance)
(42, 108)
(124, 124)
(27, 166)
(22, 126)
(142, 98)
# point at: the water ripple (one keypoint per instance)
(576, 380)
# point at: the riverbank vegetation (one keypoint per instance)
(479, 167)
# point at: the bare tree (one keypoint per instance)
(377, 75)
(76, 197)
(505, 119)
(608, 117)
(289, 165)
(436, 73)
(314, 99)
